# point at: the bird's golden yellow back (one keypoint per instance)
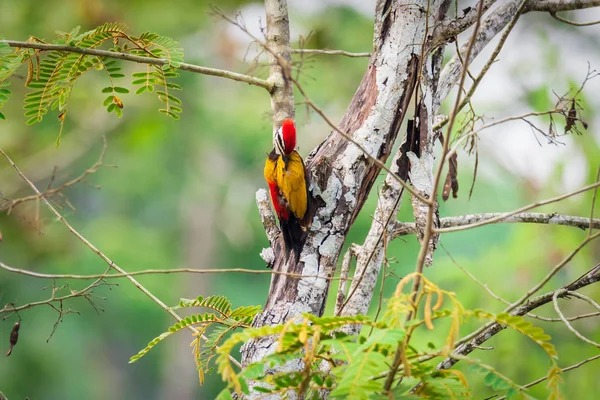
(292, 183)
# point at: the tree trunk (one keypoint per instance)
(340, 174)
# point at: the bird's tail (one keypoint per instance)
(294, 235)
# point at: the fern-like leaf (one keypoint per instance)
(184, 323)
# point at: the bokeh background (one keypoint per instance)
(181, 194)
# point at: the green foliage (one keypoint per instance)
(221, 321)
(9, 62)
(51, 78)
(525, 327)
(312, 353)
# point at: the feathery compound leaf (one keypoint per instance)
(494, 379)
(51, 79)
(218, 303)
(162, 47)
(366, 361)
(444, 388)
(525, 327)
(4, 95)
(11, 60)
(157, 75)
(191, 320)
(554, 380)
(224, 364)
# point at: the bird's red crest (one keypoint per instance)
(288, 131)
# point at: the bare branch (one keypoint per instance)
(408, 228)
(85, 292)
(330, 52)
(450, 29)
(503, 216)
(251, 80)
(560, 5)
(268, 220)
(278, 49)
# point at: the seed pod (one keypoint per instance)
(14, 337)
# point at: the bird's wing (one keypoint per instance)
(292, 183)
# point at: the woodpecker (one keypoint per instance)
(285, 175)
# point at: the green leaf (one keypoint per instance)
(169, 113)
(121, 90)
(107, 89)
(108, 101)
(33, 120)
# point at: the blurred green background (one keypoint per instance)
(178, 194)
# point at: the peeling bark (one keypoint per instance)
(417, 146)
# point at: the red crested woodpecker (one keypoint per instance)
(286, 177)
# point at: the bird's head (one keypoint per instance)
(285, 140)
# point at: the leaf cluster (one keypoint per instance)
(51, 76)
(220, 321)
(314, 356)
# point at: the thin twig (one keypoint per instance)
(107, 260)
(564, 319)
(495, 296)
(492, 58)
(162, 272)
(349, 138)
(341, 294)
(591, 226)
(10, 204)
(566, 21)
(569, 368)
